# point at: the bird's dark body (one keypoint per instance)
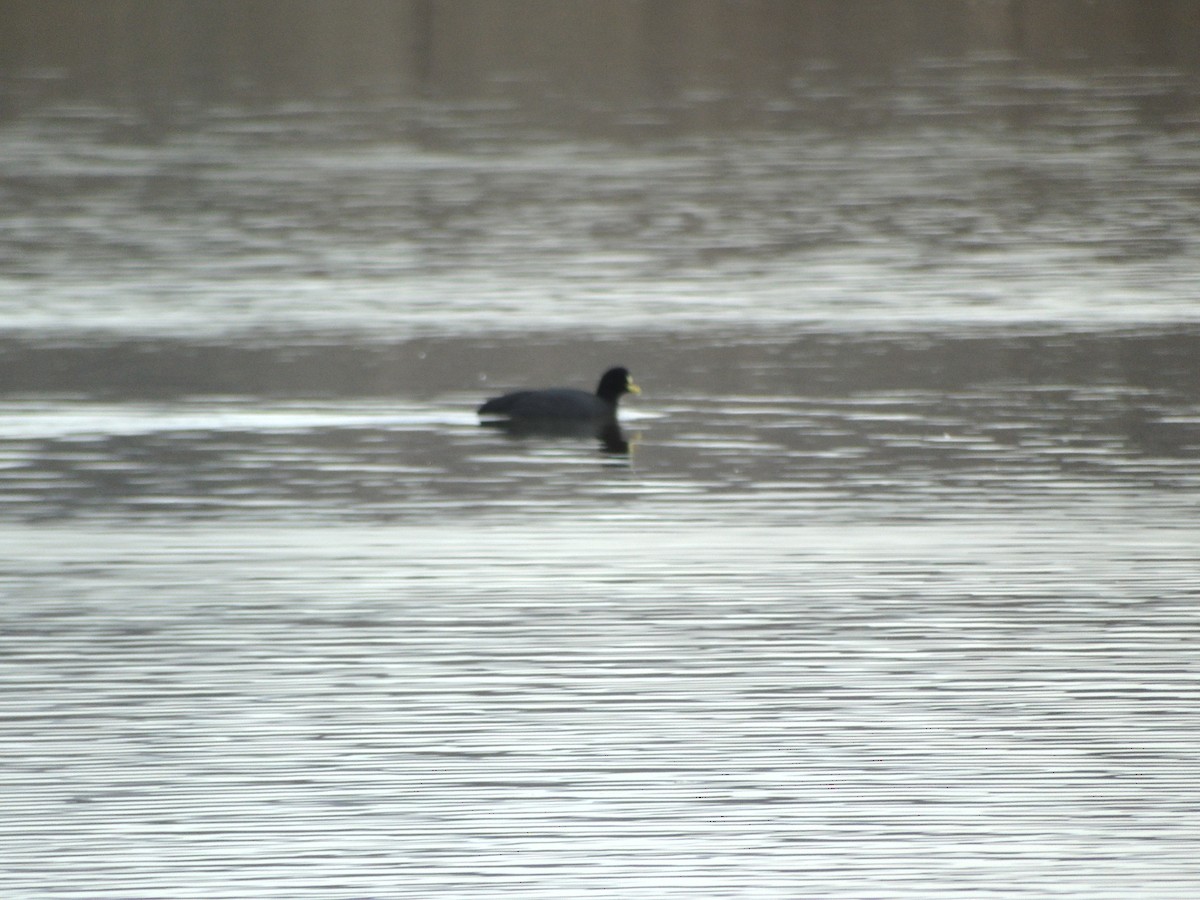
(564, 404)
(556, 403)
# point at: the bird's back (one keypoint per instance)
(556, 403)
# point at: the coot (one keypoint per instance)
(565, 404)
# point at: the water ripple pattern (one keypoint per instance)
(672, 710)
(887, 588)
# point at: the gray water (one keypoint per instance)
(891, 590)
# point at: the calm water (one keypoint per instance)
(893, 593)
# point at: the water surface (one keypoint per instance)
(892, 592)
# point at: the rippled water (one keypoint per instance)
(903, 709)
(310, 222)
(893, 593)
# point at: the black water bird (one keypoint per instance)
(565, 405)
(565, 412)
